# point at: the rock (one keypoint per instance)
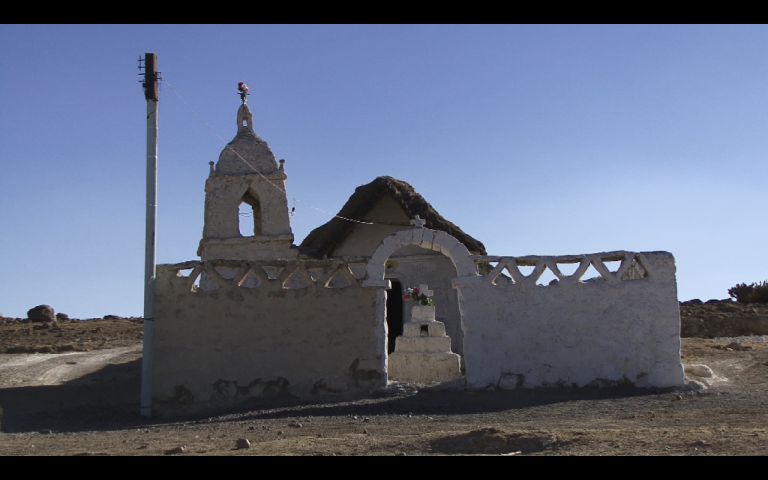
(177, 450)
(62, 317)
(737, 347)
(295, 424)
(45, 431)
(242, 444)
(42, 313)
(694, 385)
(702, 371)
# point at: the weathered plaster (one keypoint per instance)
(224, 195)
(573, 333)
(237, 342)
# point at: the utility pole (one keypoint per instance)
(151, 91)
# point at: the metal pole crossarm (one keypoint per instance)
(151, 91)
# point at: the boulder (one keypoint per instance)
(42, 313)
(62, 317)
(699, 370)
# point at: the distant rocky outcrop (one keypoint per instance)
(722, 318)
(42, 313)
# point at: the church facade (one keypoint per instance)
(259, 316)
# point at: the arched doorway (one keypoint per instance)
(461, 264)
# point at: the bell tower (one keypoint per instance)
(247, 172)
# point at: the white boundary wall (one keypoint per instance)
(623, 328)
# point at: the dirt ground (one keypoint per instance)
(84, 401)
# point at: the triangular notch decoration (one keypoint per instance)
(501, 273)
(298, 279)
(340, 277)
(591, 275)
(547, 278)
(635, 269)
(250, 280)
(272, 272)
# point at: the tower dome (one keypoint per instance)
(247, 153)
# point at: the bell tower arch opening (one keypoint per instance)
(250, 214)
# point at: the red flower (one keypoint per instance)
(407, 297)
(415, 290)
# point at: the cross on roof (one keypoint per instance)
(418, 222)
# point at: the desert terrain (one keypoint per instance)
(72, 388)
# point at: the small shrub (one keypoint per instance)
(752, 293)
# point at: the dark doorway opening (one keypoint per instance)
(394, 314)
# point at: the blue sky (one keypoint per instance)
(533, 139)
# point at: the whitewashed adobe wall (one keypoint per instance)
(301, 328)
(617, 330)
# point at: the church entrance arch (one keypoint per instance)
(417, 270)
(435, 240)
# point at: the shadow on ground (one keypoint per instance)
(103, 400)
(108, 399)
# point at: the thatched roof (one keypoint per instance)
(325, 239)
